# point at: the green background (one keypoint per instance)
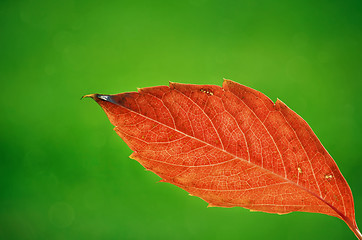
(65, 174)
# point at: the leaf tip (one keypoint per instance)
(89, 96)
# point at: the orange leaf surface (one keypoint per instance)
(231, 146)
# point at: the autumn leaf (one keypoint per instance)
(231, 146)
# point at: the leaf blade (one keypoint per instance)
(231, 146)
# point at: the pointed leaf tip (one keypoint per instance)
(102, 98)
(89, 96)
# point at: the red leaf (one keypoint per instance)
(231, 146)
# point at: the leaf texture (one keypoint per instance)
(231, 146)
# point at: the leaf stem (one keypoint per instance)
(357, 233)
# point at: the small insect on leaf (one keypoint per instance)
(231, 146)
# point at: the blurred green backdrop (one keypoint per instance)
(66, 175)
